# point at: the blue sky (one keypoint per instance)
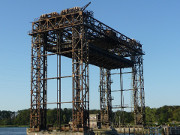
(156, 24)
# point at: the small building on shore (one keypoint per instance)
(94, 120)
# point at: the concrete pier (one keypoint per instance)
(104, 131)
(94, 132)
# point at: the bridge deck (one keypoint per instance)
(98, 57)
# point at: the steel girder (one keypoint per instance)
(38, 83)
(105, 97)
(80, 78)
(138, 90)
(77, 30)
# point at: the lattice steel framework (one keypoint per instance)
(38, 82)
(76, 34)
(80, 79)
(138, 90)
(105, 97)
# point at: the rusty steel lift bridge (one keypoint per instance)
(76, 34)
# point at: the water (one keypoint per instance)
(13, 131)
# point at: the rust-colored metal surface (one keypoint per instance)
(38, 83)
(105, 97)
(138, 90)
(76, 34)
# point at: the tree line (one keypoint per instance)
(22, 117)
(154, 116)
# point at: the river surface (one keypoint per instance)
(13, 131)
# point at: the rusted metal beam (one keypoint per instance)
(76, 34)
(138, 90)
(38, 84)
(105, 97)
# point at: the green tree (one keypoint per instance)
(150, 115)
(66, 115)
(23, 117)
(176, 115)
(51, 116)
(6, 117)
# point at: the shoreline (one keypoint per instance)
(6, 126)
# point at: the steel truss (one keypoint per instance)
(105, 97)
(80, 79)
(38, 82)
(76, 34)
(138, 90)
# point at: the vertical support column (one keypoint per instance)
(80, 78)
(102, 95)
(38, 83)
(44, 111)
(122, 98)
(105, 96)
(138, 90)
(58, 34)
(109, 97)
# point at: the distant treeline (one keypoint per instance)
(154, 116)
(22, 117)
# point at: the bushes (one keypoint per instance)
(162, 115)
(22, 117)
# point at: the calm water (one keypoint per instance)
(13, 131)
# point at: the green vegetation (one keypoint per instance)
(154, 116)
(168, 115)
(127, 117)
(22, 117)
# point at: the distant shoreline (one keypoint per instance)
(5, 126)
